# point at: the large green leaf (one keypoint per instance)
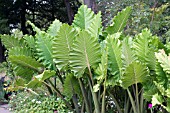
(114, 56)
(119, 21)
(164, 61)
(30, 41)
(26, 62)
(95, 26)
(142, 50)
(162, 77)
(71, 86)
(38, 80)
(86, 53)
(102, 68)
(127, 52)
(83, 18)
(54, 28)
(134, 73)
(44, 49)
(19, 51)
(10, 41)
(25, 73)
(62, 45)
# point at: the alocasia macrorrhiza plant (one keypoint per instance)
(87, 59)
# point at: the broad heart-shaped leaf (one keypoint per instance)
(142, 50)
(95, 26)
(23, 72)
(62, 45)
(39, 79)
(44, 49)
(85, 53)
(19, 51)
(45, 75)
(119, 21)
(83, 18)
(164, 61)
(54, 28)
(71, 86)
(127, 52)
(26, 62)
(161, 76)
(134, 73)
(102, 68)
(10, 41)
(114, 56)
(30, 41)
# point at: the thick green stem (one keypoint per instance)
(95, 99)
(75, 102)
(85, 96)
(137, 98)
(59, 94)
(115, 101)
(132, 101)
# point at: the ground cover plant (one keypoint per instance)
(92, 69)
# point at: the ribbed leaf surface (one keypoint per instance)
(114, 56)
(95, 26)
(142, 50)
(38, 80)
(119, 21)
(164, 61)
(62, 45)
(44, 49)
(83, 18)
(86, 53)
(10, 41)
(102, 68)
(71, 86)
(127, 52)
(134, 73)
(54, 28)
(19, 51)
(30, 41)
(162, 77)
(26, 61)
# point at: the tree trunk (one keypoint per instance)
(2, 58)
(91, 4)
(23, 18)
(69, 11)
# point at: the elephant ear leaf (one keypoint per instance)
(54, 28)
(26, 61)
(164, 61)
(114, 57)
(142, 49)
(39, 79)
(44, 49)
(119, 21)
(95, 26)
(83, 18)
(62, 45)
(134, 73)
(85, 53)
(10, 41)
(71, 86)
